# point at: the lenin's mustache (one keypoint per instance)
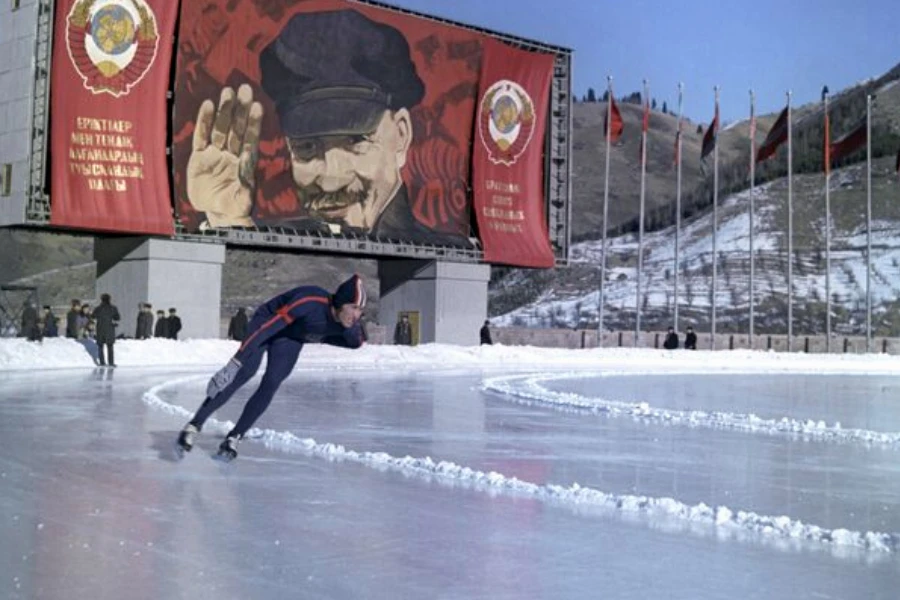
(314, 199)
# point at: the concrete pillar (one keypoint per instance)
(186, 276)
(451, 298)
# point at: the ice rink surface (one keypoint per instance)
(455, 484)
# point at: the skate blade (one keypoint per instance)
(224, 457)
(180, 451)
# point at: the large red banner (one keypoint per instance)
(324, 116)
(508, 158)
(109, 77)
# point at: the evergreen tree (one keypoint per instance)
(665, 108)
(591, 95)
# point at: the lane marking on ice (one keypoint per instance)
(668, 514)
(529, 390)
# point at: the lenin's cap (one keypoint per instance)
(335, 73)
(351, 291)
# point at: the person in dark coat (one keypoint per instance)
(50, 328)
(72, 320)
(403, 332)
(144, 329)
(107, 318)
(161, 330)
(671, 342)
(237, 327)
(278, 330)
(85, 322)
(485, 333)
(30, 328)
(690, 339)
(174, 324)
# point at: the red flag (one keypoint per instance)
(108, 138)
(827, 150)
(644, 127)
(507, 165)
(850, 142)
(709, 138)
(776, 136)
(618, 126)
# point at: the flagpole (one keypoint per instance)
(715, 223)
(790, 261)
(827, 225)
(868, 223)
(640, 267)
(678, 197)
(601, 300)
(752, 190)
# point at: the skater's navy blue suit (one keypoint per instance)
(279, 328)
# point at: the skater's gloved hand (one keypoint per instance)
(223, 378)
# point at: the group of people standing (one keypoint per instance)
(166, 327)
(672, 342)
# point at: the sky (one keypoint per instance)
(771, 46)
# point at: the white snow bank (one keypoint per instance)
(61, 353)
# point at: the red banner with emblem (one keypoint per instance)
(109, 77)
(508, 155)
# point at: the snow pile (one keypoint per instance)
(529, 390)
(61, 353)
(721, 520)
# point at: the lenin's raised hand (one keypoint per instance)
(221, 169)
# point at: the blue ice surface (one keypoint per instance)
(92, 504)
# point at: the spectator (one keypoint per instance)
(174, 324)
(671, 342)
(486, 333)
(107, 317)
(162, 325)
(37, 332)
(237, 327)
(144, 329)
(86, 322)
(50, 328)
(403, 332)
(363, 331)
(72, 320)
(29, 322)
(690, 339)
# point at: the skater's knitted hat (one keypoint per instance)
(351, 291)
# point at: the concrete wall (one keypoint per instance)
(168, 274)
(18, 29)
(451, 298)
(569, 338)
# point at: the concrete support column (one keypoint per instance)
(451, 298)
(186, 276)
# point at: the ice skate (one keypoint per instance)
(228, 449)
(186, 440)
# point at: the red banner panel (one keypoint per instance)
(508, 158)
(324, 116)
(109, 78)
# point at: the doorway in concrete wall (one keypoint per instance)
(413, 316)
